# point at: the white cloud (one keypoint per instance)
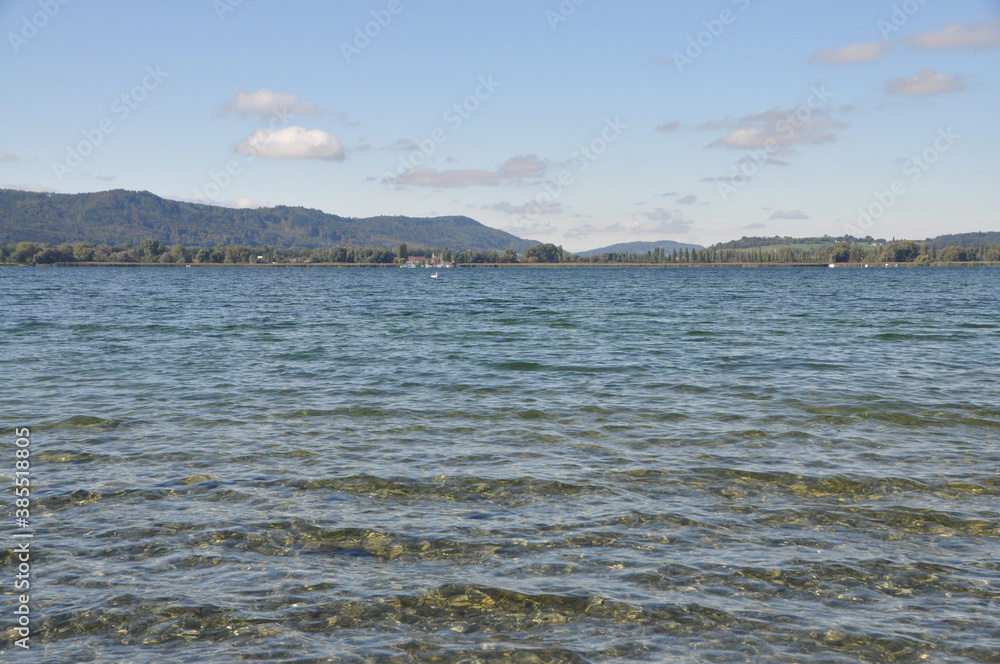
(422, 176)
(293, 143)
(925, 83)
(522, 166)
(266, 103)
(853, 53)
(789, 214)
(690, 199)
(512, 170)
(669, 127)
(7, 157)
(777, 128)
(977, 35)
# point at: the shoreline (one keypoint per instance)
(514, 266)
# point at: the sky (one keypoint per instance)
(578, 122)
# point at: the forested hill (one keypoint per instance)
(966, 240)
(119, 217)
(961, 240)
(778, 241)
(639, 248)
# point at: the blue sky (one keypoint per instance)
(580, 122)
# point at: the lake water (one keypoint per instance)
(521, 465)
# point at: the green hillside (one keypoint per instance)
(966, 240)
(796, 243)
(638, 248)
(120, 217)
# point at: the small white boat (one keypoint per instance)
(833, 265)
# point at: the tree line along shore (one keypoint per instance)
(153, 252)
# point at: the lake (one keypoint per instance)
(519, 465)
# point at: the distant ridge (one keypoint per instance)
(965, 240)
(785, 241)
(638, 248)
(119, 216)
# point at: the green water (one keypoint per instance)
(505, 465)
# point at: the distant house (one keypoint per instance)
(424, 261)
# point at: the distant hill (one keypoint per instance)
(797, 242)
(965, 240)
(119, 216)
(638, 248)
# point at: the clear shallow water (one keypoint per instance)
(507, 466)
